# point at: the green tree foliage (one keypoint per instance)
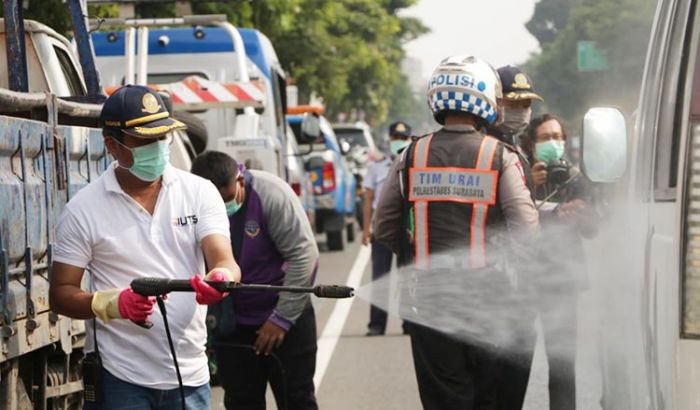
(620, 29)
(54, 14)
(348, 52)
(550, 16)
(412, 109)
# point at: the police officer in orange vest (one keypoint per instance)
(452, 196)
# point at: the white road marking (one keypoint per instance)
(336, 321)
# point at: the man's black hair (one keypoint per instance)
(215, 166)
(481, 123)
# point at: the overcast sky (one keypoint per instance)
(470, 27)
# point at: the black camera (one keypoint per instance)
(558, 173)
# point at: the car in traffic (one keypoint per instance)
(359, 136)
(362, 150)
(333, 184)
(299, 178)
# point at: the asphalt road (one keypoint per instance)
(358, 372)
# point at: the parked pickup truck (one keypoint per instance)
(333, 183)
(50, 147)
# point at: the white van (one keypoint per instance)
(651, 331)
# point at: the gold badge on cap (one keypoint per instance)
(520, 82)
(150, 104)
(400, 127)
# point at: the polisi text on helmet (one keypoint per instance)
(453, 79)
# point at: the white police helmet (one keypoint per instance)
(466, 84)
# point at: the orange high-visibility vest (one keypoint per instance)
(453, 186)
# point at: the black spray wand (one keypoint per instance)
(158, 287)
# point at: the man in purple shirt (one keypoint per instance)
(262, 337)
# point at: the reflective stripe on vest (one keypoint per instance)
(484, 162)
(480, 211)
(420, 208)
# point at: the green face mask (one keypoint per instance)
(232, 207)
(149, 160)
(549, 151)
(397, 145)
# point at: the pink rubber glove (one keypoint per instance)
(205, 294)
(135, 307)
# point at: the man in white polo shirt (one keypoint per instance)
(142, 218)
(382, 256)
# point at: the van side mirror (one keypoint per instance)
(310, 128)
(604, 144)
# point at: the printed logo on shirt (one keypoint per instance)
(252, 229)
(185, 220)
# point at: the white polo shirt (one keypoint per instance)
(107, 232)
(376, 174)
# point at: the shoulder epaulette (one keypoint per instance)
(509, 147)
(418, 137)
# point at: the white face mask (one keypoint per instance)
(516, 119)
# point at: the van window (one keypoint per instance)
(690, 223)
(37, 80)
(353, 136)
(671, 113)
(75, 86)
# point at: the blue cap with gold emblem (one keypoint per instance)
(400, 129)
(138, 111)
(517, 85)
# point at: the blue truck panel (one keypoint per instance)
(183, 41)
(37, 178)
(22, 189)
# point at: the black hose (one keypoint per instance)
(556, 191)
(161, 306)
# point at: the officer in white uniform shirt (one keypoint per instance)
(382, 256)
(142, 218)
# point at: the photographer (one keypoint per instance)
(567, 217)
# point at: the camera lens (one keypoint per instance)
(558, 173)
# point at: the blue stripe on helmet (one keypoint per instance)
(447, 100)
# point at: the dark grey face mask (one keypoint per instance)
(515, 119)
